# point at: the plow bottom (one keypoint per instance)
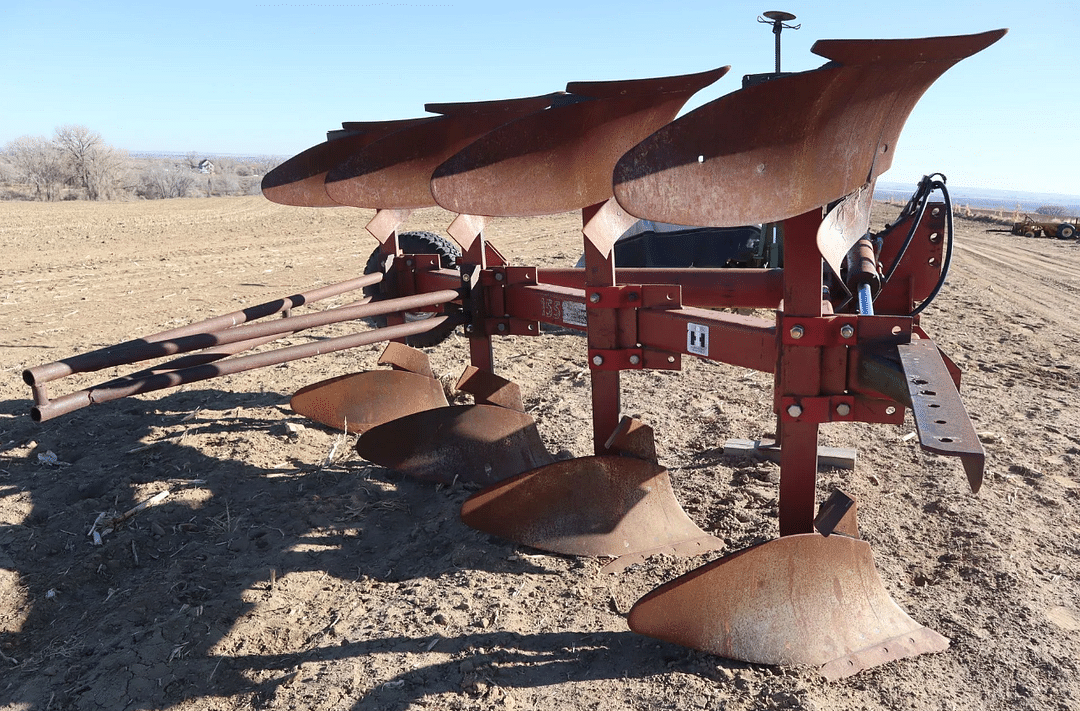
(481, 444)
(360, 401)
(803, 599)
(595, 506)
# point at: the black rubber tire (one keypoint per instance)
(418, 242)
(1066, 231)
(1029, 234)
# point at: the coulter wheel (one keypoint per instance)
(418, 242)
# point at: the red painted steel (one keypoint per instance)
(707, 288)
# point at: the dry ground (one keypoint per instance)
(271, 578)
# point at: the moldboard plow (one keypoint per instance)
(798, 153)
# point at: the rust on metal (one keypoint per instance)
(403, 357)
(360, 401)
(129, 351)
(300, 180)
(633, 438)
(838, 514)
(478, 444)
(844, 225)
(395, 171)
(595, 506)
(125, 387)
(793, 144)
(796, 600)
(490, 389)
(560, 160)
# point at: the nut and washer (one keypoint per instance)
(843, 409)
(499, 276)
(598, 360)
(794, 410)
(797, 332)
(847, 331)
(594, 298)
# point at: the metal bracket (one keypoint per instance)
(821, 331)
(510, 326)
(824, 408)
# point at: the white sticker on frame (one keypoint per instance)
(574, 313)
(697, 339)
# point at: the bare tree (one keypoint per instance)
(1051, 210)
(39, 162)
(93, 165)
(79, 146)
(159, 182)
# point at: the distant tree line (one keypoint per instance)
(77, 164)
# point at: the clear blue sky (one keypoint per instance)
(271, 78)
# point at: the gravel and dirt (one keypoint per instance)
(282, 571)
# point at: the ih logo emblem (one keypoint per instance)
(697, 339)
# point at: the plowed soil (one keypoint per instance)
(283, 571)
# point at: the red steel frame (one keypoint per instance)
(639, 318)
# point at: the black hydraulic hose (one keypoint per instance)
(917, 205)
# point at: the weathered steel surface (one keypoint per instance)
(940, 418)
(300, 180)
(802, 599)
(171, 374)
(395, 172)
(561, 159)
(793, 144)
(595, 506)
(479, 444)
(360, 401)
(844, 225)
(137, 349)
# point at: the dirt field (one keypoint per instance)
(272, 578)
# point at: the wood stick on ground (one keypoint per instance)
(160, 496)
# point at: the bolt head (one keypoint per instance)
(794, 410)
(843, 409)
(499, 276)
(501, 327)
(466, 277)
(797, 331)
(671, 359)
(594, 298)
(598, 360)
(847, 331)
(635, 359)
